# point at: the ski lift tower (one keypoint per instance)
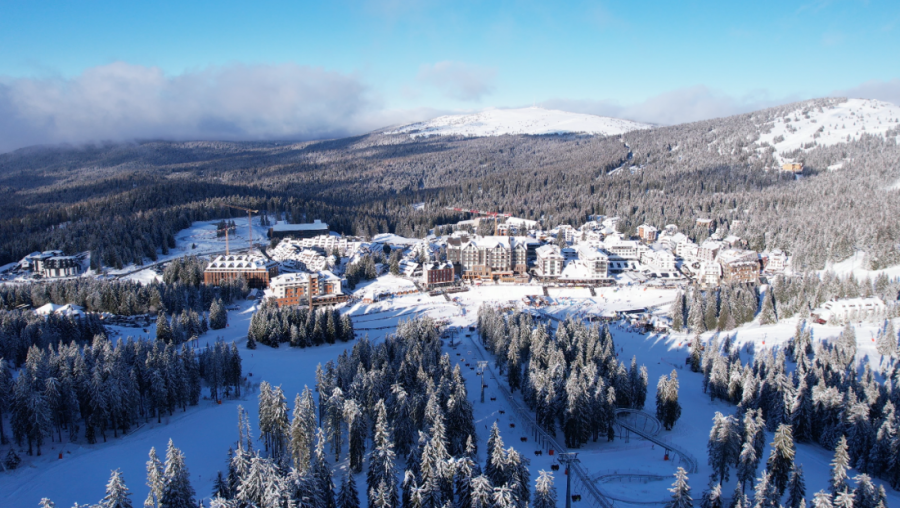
(482, 365)
(568, 458)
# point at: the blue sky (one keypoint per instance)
(311, 69)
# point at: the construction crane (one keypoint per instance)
(250, 213)
(227, 227)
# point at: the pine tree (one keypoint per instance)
(712, 498)
(865, 495)
(822, 500)
(677, 313)
(839, 467)
(544, 491)
(781, 458)
(681, 491)
(348, 497)
(381, 479)
(177, 491)
(767, 309)
(163, 331)
(218, 316)
(796, 487)
(220, 487)
(696, 353)
(156, 480)
(482, 492)
(116, 492)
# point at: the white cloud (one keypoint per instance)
(459, 80)
(888, 91)
(121, 101)
(677, 106)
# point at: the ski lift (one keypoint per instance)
(523, 439)
(554, 466)
(576, 497)
(538, 453)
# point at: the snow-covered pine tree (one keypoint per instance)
(381, 478)
(712, 498)
(839, 466)
(177, 491)
(681, 491)
(495, 457)
(677, 312)
(544, 491)
(796, 487)
(117, 493)
(865, 495)
(767, 309)
(156, 480)
(322, 472)
(696, 353)
(218, 316)
(695, 313)
(821, 499)
(348, 497)
(781, 458)
(163, 331)
(880, 455)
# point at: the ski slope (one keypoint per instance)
(830, 125)
(532, 121)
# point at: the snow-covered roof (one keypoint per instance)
(240, 262)
(312, 226)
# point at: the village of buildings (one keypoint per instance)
(304, 264)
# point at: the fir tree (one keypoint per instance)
(781, 459)
(163, 331)
(177, 491)
(839, 467)
(218, 316)
(681, 491)
(696, 353)
(156, 480)
(116, 492)
(677, 312)
(348, 497)
(544, 491)
(796, 487)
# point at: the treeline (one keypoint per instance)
(737, 442)
(106, 387)
(404, 394)
(667, 175)
(571, 378)
(731, 305)
(22, 330)
(823, 399)
(122, 297)
(273, 325)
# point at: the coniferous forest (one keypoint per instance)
(124, 202)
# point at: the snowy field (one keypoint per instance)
(833, 124)
(534, 121)
(205, 433)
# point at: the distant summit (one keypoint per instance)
(533, 121)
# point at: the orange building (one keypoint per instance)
(256, 270)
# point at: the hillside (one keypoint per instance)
(125, 202)
(529, 121)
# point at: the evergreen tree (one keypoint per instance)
(177, 491)
(796, 487)
(681, 491)
(348, 497)
(156, 480)
(781, 459)
(677, 312)
(218, 316)
(822, 500)
(116, 492)
(163, 331)
(696, 353)
(865, 495)
(544, 491)
(839, 466)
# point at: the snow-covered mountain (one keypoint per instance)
(833, 121)
(535, 121)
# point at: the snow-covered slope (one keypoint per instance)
(834, 123)
(535, 121)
